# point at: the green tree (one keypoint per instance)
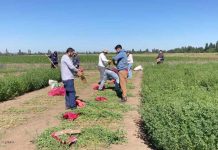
(206, 47)
(211, 45)
(217, 46)
(133, 50)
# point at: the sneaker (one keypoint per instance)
(70, 108)
(123, 99)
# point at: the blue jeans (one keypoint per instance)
(130, 71)
(70, 97)
(108, 74)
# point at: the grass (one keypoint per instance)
(180, 106)
(99, 122)
(17, 115)
(34, 79)
(93, 58)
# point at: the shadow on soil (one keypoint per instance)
(142, 134)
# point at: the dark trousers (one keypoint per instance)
(54, 65)
(70, 97)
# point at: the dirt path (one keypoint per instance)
(22, 137)
(132, 120)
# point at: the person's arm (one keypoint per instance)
(104, 58)
(118, 57)
(70, 65)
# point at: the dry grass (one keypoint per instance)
(17, 115)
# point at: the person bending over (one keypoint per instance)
(110, 74)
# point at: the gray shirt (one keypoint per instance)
(67, 68)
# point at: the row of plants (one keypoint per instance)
(90, 58)
(180, 106)
(99, 123)
(34, 79)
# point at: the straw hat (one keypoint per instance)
(105, 51)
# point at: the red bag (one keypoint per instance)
(70, 116)
(80, 103)
(101, 99)
(57, 91)
(71, 139)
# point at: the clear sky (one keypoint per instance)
(98, 24)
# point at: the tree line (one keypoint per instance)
(209, 48)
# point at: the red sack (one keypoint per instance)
(57, 91)
(70, 116)
(101, 99)
(69, 141)
(80, 103)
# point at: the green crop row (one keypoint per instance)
(12, 86)
(180, 106)
(92, 58)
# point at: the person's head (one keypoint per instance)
(55, 53)
(70, 52)
(161, 51)
(118, 48)
(105, 51)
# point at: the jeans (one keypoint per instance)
(108, 74)
(101, 70)
(70, 97)
(130, 71)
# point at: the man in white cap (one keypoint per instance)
(102, 63)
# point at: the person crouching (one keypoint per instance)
(110, 74)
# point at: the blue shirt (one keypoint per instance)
(121, 59)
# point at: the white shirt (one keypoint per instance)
(67, 68)
(102, 60)
(130, 59)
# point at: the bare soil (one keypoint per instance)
(136, 140)
(22, 136)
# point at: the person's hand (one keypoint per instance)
(79, 73)
(109, 62)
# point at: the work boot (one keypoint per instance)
(123, 99)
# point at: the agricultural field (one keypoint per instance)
(178, 105)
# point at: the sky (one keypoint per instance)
(93, 25)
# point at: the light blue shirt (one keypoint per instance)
(67, 68)
(121, 59)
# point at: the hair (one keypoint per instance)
(118, 46)
(70, 50)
